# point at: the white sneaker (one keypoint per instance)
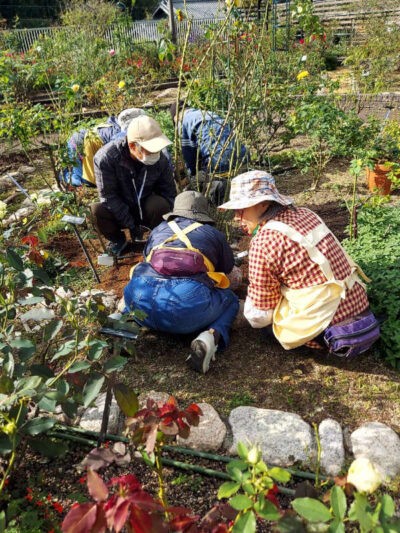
(203, 351)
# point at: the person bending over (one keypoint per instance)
(182, 285)
(300, 278)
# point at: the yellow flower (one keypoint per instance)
(121, 84)
(302, 74)
(44, 254)
(364, 475)
(25, 221)
(75, 87)
(179, 15)
(229, 3)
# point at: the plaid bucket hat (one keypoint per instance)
(252, 188)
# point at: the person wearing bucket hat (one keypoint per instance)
(182, 284)
(135, 182)
(300, 278)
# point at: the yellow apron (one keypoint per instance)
(302, 314)
(220, 279)
(91, 144)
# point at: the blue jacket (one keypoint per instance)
(206, 139)
(210, 241)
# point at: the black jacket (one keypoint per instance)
(118, 175)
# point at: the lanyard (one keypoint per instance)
(139, 196)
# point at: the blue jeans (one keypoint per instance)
(182, 305)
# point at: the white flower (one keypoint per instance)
(38, 49)
(299, 9)
(304, 58)
(3, 209)
(364, 475)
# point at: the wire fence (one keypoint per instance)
(143, 31)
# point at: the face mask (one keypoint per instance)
(149, 159)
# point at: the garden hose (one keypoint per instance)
(179, 449)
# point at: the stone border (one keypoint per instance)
(284, 438)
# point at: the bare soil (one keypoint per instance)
(254, 370)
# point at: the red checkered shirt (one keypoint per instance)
(276, 260)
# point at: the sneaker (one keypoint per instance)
(116, 247)
(203, 350)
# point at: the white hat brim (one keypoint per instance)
(156, 144)
(243, 203)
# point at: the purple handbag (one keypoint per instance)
(170, 262)
(352, 336)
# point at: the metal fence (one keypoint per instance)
(21, 40)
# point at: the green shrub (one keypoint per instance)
(377, 250)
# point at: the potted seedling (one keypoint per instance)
(381, 157)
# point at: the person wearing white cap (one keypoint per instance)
(135, 182)
(300, 278)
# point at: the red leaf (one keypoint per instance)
(77, 264)
(97, 488)
(30, 240)
(140, 521)
(151, 438)
(80, 519)
(194, 408)
(184, 431)
(128, 481)
(180, 523)
(35, 257)
(118, 513)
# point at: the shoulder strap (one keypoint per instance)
(308, 242)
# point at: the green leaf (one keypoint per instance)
(31, 301)
(41, 370)
(279, 474)
(51, 329)
(96, 348)
(242, 450)
(245, 524)
(92, 388)
(38, 425)
(14, 260)
(115, 363)
(49, 447)
(8, 365)
(336, 527)
(290, 524)
(2, 521)
(388, 507)
(6, 385)
(70, 407)
(65, 349)
(227, 489)
(311, 509)
(338, 502)
(40, 274)
(41, 233)
(127, 400)
(26, 348)
(240, 502)
(5, 444)
(27, 386)
(78, 366)
(47, 404)
(266, 509)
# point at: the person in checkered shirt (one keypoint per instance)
(300, 278)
